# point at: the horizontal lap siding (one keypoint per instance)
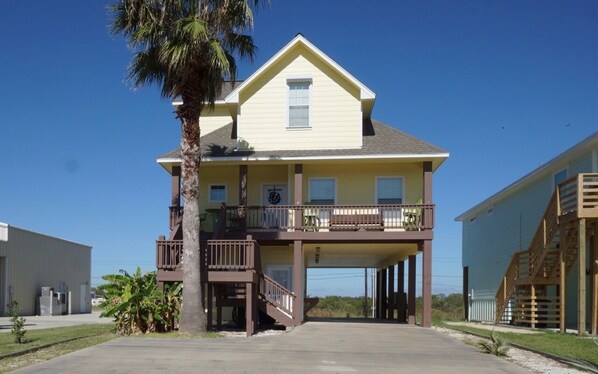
(491, 240)
(214, 119)
(356, 183)
(489, 243)
(335, 108)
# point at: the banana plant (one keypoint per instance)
(136, 304)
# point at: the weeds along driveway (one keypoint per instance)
(337, 347)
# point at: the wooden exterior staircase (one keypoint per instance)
(532, 289)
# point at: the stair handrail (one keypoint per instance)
(276, 294)
(546, 232)
(507, 285)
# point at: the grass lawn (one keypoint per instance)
(566, 346)
(84, 335)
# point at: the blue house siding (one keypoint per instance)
(506, 224)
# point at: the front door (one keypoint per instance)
(272, 196)
(283, 275)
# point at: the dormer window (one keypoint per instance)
(299, 103)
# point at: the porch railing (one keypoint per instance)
(395, 217)
(169, 254)
(219, 254)
(580, 194)
(230, 255)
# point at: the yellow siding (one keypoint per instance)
(356, 183)
(335, 107)
(228, 175)
(257, 176)
(214, 119)
(276, 255)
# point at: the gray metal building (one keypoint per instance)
(30, 261)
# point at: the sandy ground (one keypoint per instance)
(534, 362)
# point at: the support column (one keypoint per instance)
(378, 297)
(391, 292)
(401, 305)
(249, 306)
(466, 293)
(298, 281)
(533, 306)
(242, 197)
(210, 296)
(594, 280)
(562, 281)
(383, 295)
(298, 194)
(581, 279)
(175, 196)
(411, 291)
(427, 193)
(427, 284)
(176, 186)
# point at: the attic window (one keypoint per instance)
(299, 103)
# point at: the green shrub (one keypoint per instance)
(495, 346)
(137, 305)
(17, 322)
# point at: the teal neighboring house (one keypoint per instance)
(530, 253)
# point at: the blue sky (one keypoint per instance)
(502, 85)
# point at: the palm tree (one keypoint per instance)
(187, 47)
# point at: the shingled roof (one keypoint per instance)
(378, 139)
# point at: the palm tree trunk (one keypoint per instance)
(193, 317)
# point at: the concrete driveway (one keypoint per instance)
(327, 347)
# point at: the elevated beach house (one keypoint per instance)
(530, 252)
(296, 174)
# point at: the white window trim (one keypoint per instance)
(566, 169)
(309, 109)
(210, 193)
(322, 178)
(402, 178)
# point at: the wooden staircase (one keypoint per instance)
(234, 272)
(530, 290)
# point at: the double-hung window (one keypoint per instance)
(217, 193)
(322, 191)
(389, 190)
(299, 103)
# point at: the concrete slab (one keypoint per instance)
(45, 322)
(336, 347)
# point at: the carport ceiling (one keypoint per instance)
(346, 255)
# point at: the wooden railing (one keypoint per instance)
(169, 254)
(219, 254)
(544, 235)
(580, 194)
(508, 283)
(537, 310)
(396, 217)
(276, 294)
(576, 197)
(230, 255)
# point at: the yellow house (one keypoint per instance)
(296, 174)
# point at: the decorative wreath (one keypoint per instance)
(274, 197)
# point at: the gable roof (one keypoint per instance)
(366, 93)
(571, 153)
(380, 141)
